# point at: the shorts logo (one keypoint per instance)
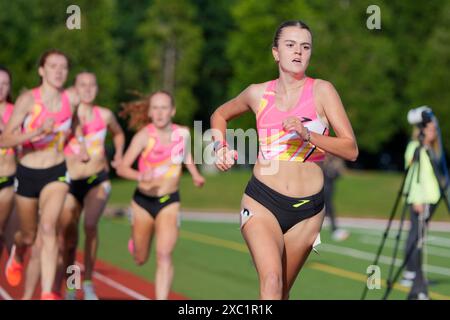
(16, 184)
(3, 179)
(245, 216)
(91, 179)
(302, 202)
(164, 199)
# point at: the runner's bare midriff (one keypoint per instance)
(81, 170)
(160, 186)
(41, 159)
(292, 179)
(7, 165)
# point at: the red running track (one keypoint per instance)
(111, 283)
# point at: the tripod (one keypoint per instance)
(410, 172)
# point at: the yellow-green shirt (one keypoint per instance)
(427, 189)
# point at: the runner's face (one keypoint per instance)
(55, 70)
(161, 110)
(294, 50)
(86, 85)
(4, 85)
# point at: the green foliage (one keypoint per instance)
(358, 61)
(214, 17)
(33, 29)
(132, 73)
(409, 29)
(172, 43)
(206, 52)
(431, 79)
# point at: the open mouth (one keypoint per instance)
(297, 61)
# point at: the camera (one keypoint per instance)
(420, 116)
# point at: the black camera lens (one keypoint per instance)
(426, 117)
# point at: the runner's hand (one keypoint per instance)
(225, 158)
(198, 180)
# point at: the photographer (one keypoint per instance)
(424, 195)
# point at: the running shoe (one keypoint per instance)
(50, 296)
(131, 246)
(407, 278)
(71, 294)
(89, 292)
(13, 270)
(340, 235)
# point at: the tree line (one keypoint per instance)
(205, 52)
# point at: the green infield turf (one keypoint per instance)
(212, 262)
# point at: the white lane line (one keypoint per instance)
(432, 239)
(367, 223)
(390, 244)
(4, 294)
(371, 256)
(116, 285)
(112, 283)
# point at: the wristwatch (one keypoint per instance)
(308, 135)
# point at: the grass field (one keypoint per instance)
(212, 262)
(358, 193)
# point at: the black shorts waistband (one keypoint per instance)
(175, 194)
(153, 205)
(101, 175)
(30, 182)
(287, 210)
(41, 172)
(287, 202)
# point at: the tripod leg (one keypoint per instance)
(409, 255)
(389, 280)
(443, 195)
(391, 217)
(414, 251)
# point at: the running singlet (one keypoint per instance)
(165, 160)
(63, 121)
(277, 144)
(6, 115)
(94, 133)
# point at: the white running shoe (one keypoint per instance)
(418, 296)
(89, 292)
(407, 278)
(423, 296)
(340, 235)
(71, 294)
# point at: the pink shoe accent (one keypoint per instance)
(131, 246)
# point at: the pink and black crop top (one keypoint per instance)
(5, 118)
(164, 160)
(94, 133)
(277, 144)
(37, 116)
